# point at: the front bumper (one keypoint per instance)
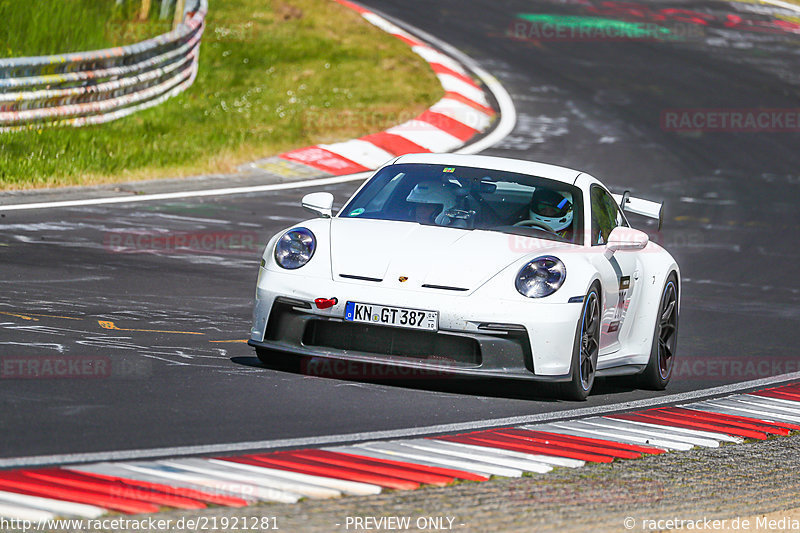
(478, 335)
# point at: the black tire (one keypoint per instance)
(658, 372)
(585, 349)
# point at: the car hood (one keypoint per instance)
(372, 250)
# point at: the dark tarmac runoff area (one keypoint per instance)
(150, 333)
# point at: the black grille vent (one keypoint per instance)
(388, 341)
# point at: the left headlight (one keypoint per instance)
(295, 248)
(541, 277)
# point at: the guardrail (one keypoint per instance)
(103, 85)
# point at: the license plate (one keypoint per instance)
(400, 317)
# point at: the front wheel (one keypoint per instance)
(585, 351)
(658, 372)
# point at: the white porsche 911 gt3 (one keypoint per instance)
(478, 266)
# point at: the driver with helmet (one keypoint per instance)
(550, 210)
(433, 200)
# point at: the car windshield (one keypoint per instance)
(472, 198)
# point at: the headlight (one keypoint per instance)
(295, 248)
(541, 277)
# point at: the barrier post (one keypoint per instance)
(165, 7)
(145, 11)
(179, 8)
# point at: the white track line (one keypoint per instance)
(457, 85)
(133, 471)
(748, 410)
(385, 25)
(58, 507)
(243, 490)
(761, 403)
(479, 453)
(432, 55)
(353, 488)
(553, 460)
(426, 135)
(778, 401)
(374, 454)
(463, 113)
(487, 464)
(684, 431)
(629, 434)
(764, 406)
(443, 460)
(188, 194)
(585, 430)
(119, 471)
(364, 153)
(24, 513)
(772, 403)
(203, 466)
(780, 3)
(210, 449)
(660, 432)
(722, 409)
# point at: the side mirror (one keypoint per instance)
(626, 198)
(320, 203)
(623, 238)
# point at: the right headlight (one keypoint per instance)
(295, 248)
(541, 277)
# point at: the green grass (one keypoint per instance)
(44, 27)
(273, 76)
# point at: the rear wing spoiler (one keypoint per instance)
(639, 206)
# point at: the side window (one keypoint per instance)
(605, 215)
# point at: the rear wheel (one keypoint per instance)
(585, 351)
(658, 372)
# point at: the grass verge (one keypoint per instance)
(273, 76)
(48, 27)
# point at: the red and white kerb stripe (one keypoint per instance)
(91, 490)
(460, 115)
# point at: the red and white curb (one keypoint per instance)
(460, 115)
(367, 468)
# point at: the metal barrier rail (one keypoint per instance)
(103, 85)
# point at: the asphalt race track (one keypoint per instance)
(162, 330)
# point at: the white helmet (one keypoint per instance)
(551, 208)
(432, 192)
